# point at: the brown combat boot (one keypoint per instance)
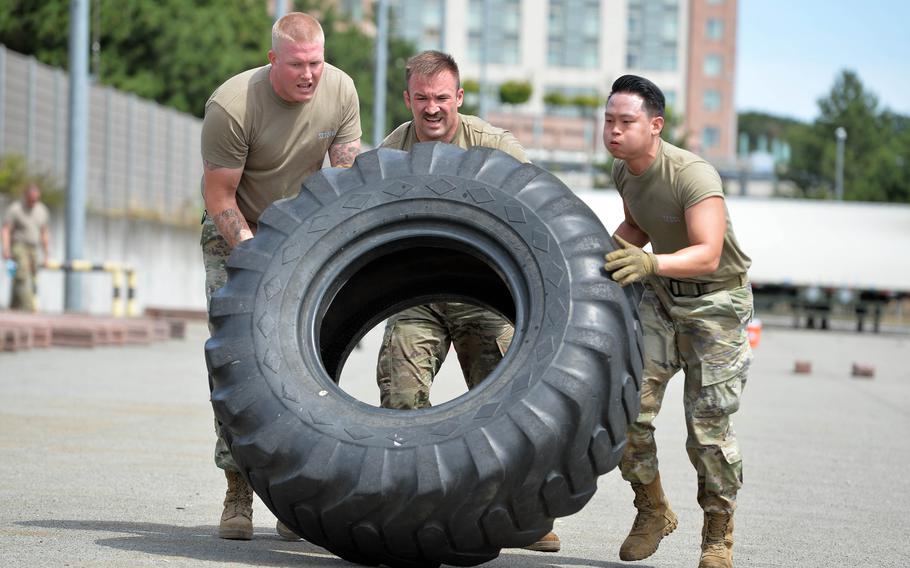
(654, 521)
(547, 543)
(237, 518)
(717, 541)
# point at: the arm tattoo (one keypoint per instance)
(342, 155)
(232, 226)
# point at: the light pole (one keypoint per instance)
(76, 168)
(841, 135)
(379, 78)
(484, 104)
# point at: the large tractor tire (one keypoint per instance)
(457, 482)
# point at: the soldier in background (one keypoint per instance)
(417, 340)
(694, 314)
(264, 132)
(25, 228)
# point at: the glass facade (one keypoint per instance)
(711, 100)
(710, 137)
(653, 35)
(715, 29)
(422, 22)
(573, 33)
(504, 27)
(713, 65)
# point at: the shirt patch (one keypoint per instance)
(326, 134)
(670, 218)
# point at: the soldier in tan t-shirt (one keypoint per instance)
(694, 313)
(417, 339)
(24, 230)
(265, 131)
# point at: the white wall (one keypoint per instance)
(167, 260)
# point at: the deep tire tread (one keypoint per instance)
(453, 501)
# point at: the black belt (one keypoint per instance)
(695, 289)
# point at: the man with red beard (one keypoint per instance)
(694, 313)
(265, 131)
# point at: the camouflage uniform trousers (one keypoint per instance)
(417, 340)
(705, 337)
(215, 252)
(24, 288)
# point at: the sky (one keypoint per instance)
(791, 51)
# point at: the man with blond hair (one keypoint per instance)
(265, 131)
(417, 339)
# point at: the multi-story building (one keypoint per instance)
(710, 112)
(577, 48)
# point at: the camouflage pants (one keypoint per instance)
(417, 340)
(706, 338)
(215, 252)
(25, 283)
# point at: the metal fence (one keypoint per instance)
(143, 158)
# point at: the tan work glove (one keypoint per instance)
(629, 264)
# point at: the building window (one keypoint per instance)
(711, 100)
(715, 2)
(652, 35)
(710, 137)
(574, 33)
(669, 29)
(419, 21)
(714, 65)
(670, 99)
(504, 27)
(715, 29)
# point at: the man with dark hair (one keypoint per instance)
(417, 339)
(264, 132)
(694, 312)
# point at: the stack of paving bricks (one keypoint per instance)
(19, 330)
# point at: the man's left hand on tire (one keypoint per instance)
(630, 263)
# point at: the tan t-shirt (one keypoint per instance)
(26, 224)
(472, 131)
(658, 199)
(277, 143)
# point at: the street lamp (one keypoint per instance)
(841, 135)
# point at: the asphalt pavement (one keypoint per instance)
(105, 460)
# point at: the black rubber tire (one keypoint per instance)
(457, 482)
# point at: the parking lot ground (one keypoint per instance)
(105, 460)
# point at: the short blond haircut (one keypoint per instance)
(297, 27)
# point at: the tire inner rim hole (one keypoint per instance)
(396, 277)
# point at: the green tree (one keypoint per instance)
(515, 92)
(175, 52)
(555, 99)
(876, 166)
(674, 132)
(350, 49)
(471, 104)
(16, 175)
